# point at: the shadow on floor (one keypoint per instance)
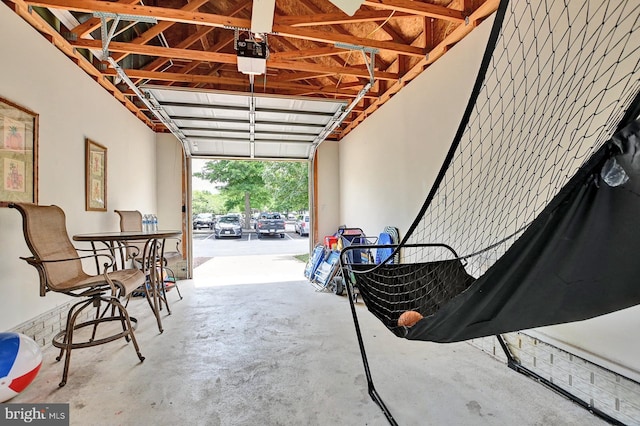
(280, 353)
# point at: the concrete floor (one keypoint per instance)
(253, 343)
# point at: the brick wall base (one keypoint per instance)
(611, 393)
(44, 327)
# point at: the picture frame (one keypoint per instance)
(96, 176)
(18, 154)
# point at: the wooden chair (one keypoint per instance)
(60, 269)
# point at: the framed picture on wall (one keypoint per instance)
(96, 176)
(18, 154)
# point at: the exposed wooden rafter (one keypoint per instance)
(337, 18)
(308, 56)
(419, 8)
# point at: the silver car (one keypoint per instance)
(302, 225)
(228, 226)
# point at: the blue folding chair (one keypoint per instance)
(326, 270)
(314, 262)
(382, 254)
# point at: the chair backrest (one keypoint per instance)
(45, 232)
(131, 220)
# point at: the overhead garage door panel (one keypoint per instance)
(228, 134)
(208, 123)
(230, 125)
(226, 148)
(269, 149)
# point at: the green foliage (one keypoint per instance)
(290, 185)
(236, 179)
(257, 185)
(206, 202)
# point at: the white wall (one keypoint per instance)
(388, 164)
(71, 106)
(328, 190)
(170, 160)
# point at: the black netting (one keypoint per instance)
(390, 290)
(561, 77)
(556, 83)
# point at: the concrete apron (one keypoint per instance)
(253, 343)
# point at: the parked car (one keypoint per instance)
(270, 224)
(228, 226)
(302, 225)
(203, 220)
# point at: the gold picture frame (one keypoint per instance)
(18, 154)
(96, 176)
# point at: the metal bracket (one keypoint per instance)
(356, 47)
(364, 50)
(339, 116)
(126, 17)
(108, 33)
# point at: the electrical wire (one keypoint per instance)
(346, 62)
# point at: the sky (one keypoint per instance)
(198, 184)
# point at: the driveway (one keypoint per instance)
(205, 246)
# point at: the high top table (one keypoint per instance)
(152, 254)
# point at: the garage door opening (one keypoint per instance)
(249, 208)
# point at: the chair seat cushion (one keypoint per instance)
(126, 279)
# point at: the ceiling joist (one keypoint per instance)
(192, 45)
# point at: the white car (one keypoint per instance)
(302, 225)
(228, 226)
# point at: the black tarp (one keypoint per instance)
(580, 258)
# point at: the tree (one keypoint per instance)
(247, 185)
(240, 182)
(206, 202)
(289, 182)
